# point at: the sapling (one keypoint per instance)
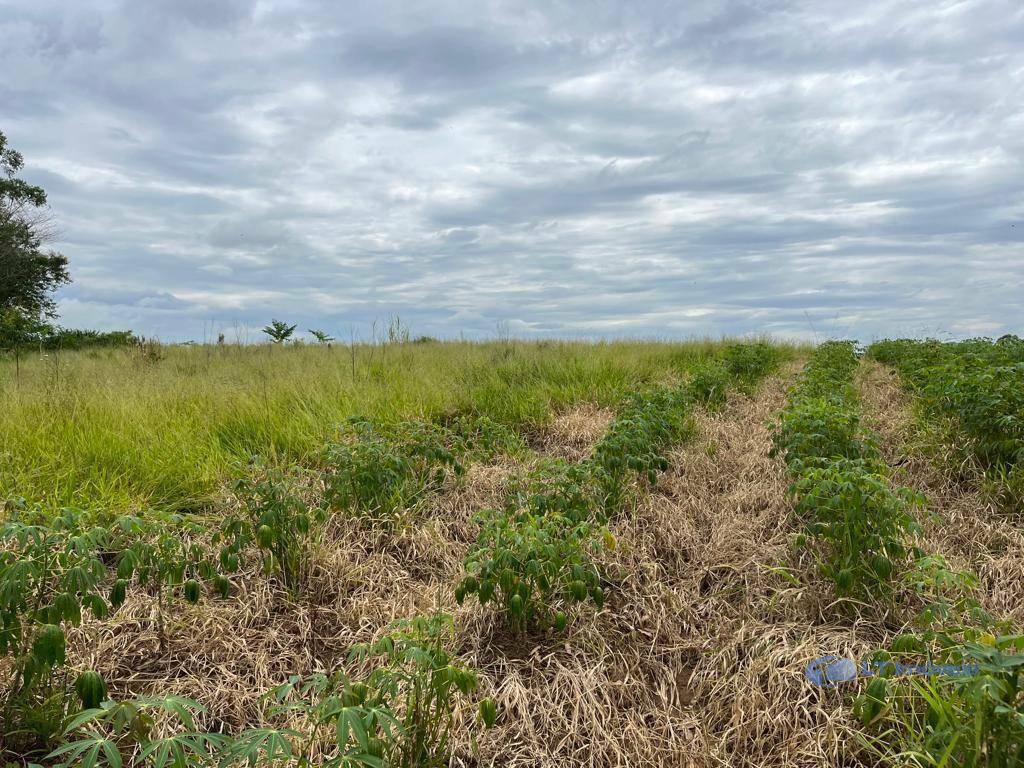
(322, 337)
(279, 331)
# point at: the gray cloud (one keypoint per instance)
(651, 169)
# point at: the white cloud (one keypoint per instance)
(704, 168)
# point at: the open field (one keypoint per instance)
(118, 429)
(610, 555)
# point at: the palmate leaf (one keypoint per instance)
(87, 753)
(258, 746)
(180, 706)
(179, 750)
(83, 717)
(385, 719)
(350, 725)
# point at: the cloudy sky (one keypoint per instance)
(544, 168)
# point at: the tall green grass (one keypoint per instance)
(114, 430)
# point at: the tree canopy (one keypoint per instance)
(28, 274)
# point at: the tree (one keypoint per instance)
(279, 332)
(28, 274)
(20, 329)
(321, 336)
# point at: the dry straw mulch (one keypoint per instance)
(697, 658)
(573, 432)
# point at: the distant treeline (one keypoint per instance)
(76, 338)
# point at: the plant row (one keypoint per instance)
(538, 555)
(860, 530)
(856, 524)
(980, 385)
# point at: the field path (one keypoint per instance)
(725, 616)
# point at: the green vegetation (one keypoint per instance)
(50, 574)
(167, 430)
(380, 471)
(973, 718)
(400, 715)
(979, 384)
(279, 331)
(536, 557)
(275, 521)
(860, 530)
(112, 430)
(68, 339)
(28, 273)
(857, 523)
(970, 719)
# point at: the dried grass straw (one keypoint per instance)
(697, 658)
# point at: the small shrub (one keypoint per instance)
(379, 471)
(862, 523)
(529, 564)
(276, 520)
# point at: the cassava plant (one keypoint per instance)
(146, 732)
(479, 438)
(48, 575)
(401, 714)
(379, 471)
(328, 715)
(557, 487)
(168, 559)
(417, 677)
(275, 519)
(860, 523)
(978, 384)
(52, 574)
(532, 566)
(633, 446)
(709, 382)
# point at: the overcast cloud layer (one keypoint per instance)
(546, 169)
